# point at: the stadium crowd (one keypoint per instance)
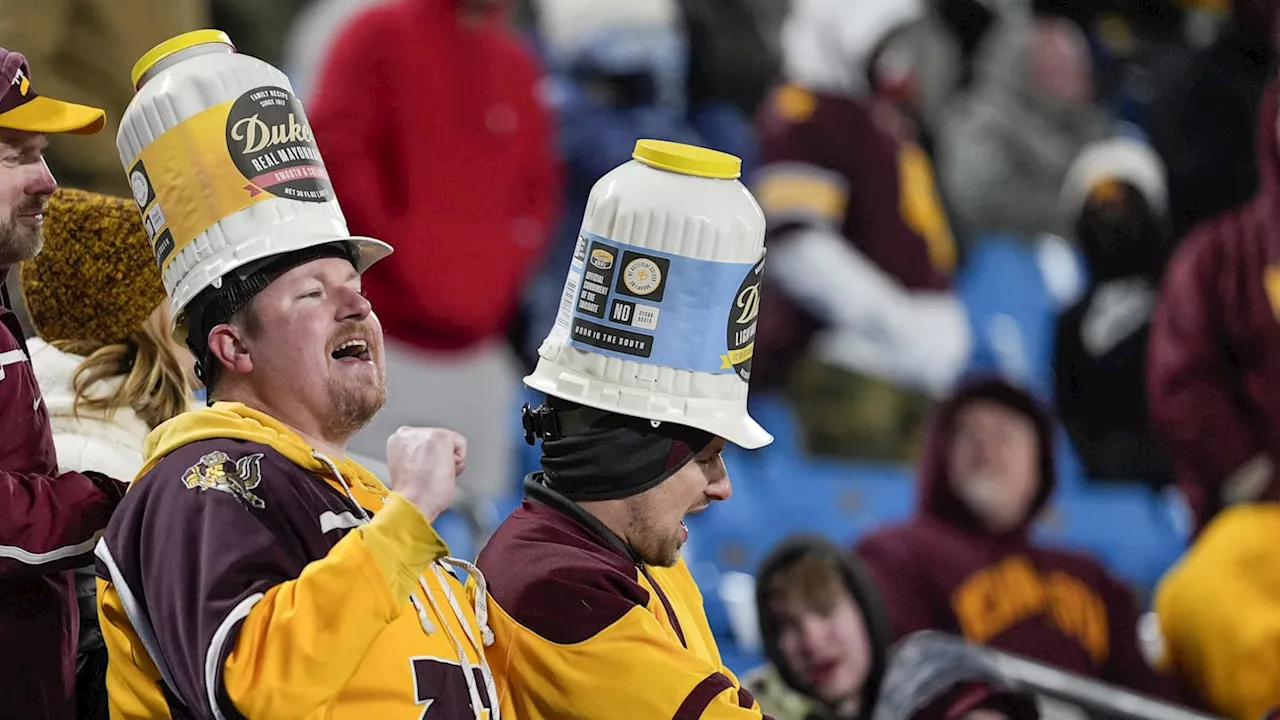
(1012, 246)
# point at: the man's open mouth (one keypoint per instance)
(352, 349)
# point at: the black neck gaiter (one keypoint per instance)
(605, 456)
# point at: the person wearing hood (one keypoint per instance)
(1004, 147)
(434, 130)
(254, 569)
(1212, 375)
(1211, 369)
(1116, 199)
(964, 564)
(863, 326)
(826, 637)
(108, 368)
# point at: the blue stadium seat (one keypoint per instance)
(1127, 528)
(456, 533)
(1011, 311)
(777, 416)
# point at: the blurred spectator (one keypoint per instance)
(85, 50)
(431, 127)
(1116, 199)
(108, 366)
(1004, 147)
(50, 518)
(1204, 116)
(861, 326)
(1214, 342)
(964, 564)
(824, 631)
(618, 72)
(826, 637)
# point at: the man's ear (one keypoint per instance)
(227, 346)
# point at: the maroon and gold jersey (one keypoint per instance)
(583, 632)
(239, 579)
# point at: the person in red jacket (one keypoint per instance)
(49, 521)
(428, 117)
(1215, 337)
(964, 564)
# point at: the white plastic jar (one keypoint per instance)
(658, 315)
(223, 165)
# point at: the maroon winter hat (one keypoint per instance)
(22, 109)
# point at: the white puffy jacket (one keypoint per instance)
(88, 442)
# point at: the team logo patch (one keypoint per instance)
(217, 471)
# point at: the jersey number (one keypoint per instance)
(442, 688)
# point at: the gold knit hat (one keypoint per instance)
(96, 278)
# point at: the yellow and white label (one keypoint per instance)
(222, 160)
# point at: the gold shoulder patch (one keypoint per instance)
(794, 103)
(217, 471)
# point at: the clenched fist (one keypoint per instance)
(424, 464)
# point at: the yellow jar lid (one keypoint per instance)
(177, 44)
(687, 159)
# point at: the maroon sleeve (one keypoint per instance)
(1126, 666)
(48, 521)
(889, 560)
(1192, 389)
(52, 523)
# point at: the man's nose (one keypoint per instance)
(354, 306)
(41, 181)
(720, 487)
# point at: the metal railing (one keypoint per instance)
(925, 663)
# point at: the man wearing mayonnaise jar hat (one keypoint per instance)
(255, 569)
(645, 375)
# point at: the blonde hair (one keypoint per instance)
(156, 382)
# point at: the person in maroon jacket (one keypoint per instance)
(964, 565)
(49, 521)
(862, 327)
(1211, 363)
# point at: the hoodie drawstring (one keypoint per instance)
(482, 596)
(342, 481)
(481, 608)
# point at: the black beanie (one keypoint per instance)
(590, 454)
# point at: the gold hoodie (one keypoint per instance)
(242, 576)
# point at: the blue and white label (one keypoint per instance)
(661, 309)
